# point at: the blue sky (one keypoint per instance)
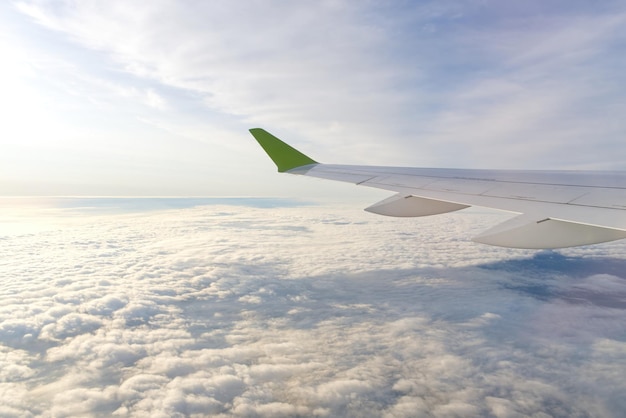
(125, 98)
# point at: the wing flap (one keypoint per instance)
(401, 205)
(530, 232)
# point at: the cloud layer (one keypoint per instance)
(305, 311)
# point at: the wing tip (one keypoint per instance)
(284, 155)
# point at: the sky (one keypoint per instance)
(282, 306)
(272, 308)
(123, 98)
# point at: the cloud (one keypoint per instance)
(210, 49)
(517, 85)
(156, 99)
(70, 325)
(311, 311)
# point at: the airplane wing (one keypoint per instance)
(556, 208)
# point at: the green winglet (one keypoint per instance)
(284, 156)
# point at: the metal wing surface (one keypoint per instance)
(556, 208)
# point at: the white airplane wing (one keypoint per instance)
(556, 208)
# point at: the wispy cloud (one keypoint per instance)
(459, 84)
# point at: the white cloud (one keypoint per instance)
(261, 57)
(352, 315)
(514, 84)
(69, 325)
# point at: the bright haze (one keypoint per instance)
(155, 98)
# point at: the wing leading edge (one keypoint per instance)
(558, 208)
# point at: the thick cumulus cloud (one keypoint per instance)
(305, 311)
